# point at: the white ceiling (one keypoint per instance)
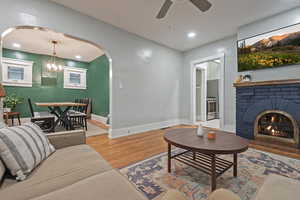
(138, 16)
(39, 41)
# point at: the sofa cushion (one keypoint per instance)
(22, 148)
(278, 188)
(110, 185)
(66, 166)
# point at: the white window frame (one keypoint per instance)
(81, 71)
(27, 67)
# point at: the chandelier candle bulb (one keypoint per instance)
(49, 66)
(52, 65)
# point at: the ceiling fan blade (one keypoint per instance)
(164, 9)
(203, 5)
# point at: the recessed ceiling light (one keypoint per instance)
(78, 57)
(191, 34)
(16, 45)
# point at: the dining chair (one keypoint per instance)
(75, 108)
(45, 120)
(78, 116)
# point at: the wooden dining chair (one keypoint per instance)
(78, 117)
(75, 108)
(45, 120)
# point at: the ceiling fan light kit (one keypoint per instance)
(202, 5)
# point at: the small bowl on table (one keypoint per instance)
(211, 135)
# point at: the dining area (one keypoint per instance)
(60, 115)
(56, 116)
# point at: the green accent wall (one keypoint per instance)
(39, 92)
(98, 85)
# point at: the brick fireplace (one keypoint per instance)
(269, 111)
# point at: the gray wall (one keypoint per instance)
(228, 46)
(213, 71)
(144, 90)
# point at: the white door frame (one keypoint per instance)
(221, 57)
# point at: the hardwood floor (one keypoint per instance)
(128, 150)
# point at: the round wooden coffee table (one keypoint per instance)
(201, 152)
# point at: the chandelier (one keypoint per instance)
(52, 65)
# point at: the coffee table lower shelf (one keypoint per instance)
(203, 162)
(208, 164)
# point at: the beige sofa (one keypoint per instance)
(74, 172)
(274, 188)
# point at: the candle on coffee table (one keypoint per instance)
(211, 135)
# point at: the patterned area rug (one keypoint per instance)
(151, 178)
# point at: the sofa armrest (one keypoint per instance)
(173, 195)
(222, 194)
(67, 138)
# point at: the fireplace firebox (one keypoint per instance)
(277, 126)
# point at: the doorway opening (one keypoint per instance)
(40, 65)
(207, 92)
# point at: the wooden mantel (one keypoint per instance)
(274, 82)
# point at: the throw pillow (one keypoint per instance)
(22, 148)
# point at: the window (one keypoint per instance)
(16, 72)
(74, 78)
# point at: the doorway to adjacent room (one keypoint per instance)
(207, 91)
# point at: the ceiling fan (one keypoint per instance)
(202, 5)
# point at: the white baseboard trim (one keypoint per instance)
(99, 118)
(229, 128)
(116, 133)
(187, 122)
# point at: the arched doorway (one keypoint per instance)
(41, 45)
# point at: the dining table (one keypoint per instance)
(60, 110)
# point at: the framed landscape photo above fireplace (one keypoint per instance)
(268, 50)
